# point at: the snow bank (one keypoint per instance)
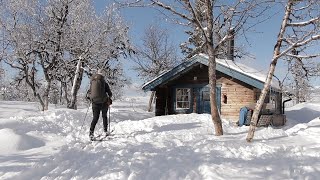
(55, 145)
(12, 142)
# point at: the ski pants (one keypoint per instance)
(96, 109)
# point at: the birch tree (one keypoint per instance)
(93, 41)
(299, 30)
(221, 21)
(156, 55)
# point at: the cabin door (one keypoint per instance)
(204, 102)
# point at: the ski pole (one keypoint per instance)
(84, 120)
(109, 127)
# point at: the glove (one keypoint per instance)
(109, 101)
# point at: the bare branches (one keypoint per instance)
(49, 36)
(157, 53)
(135, 3)
(171, 9)
(307, 41)
(299, 30)
(310, 56)
(305, 23)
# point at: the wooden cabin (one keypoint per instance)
(185, 89)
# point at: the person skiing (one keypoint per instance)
(100, 95)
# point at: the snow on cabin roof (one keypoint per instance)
(247, 70)
(234, 69)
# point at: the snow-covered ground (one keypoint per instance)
(54, 145)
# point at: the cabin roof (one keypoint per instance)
(234, 69)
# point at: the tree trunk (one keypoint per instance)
(31, 83)
(46, 95)
(150, 101)
(60, 93)
(41, 102)
(212, 82)
(76, 85)
(65, 89)
(273, 64)
(297, 91)
(258, 107)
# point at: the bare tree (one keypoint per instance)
(156, 55)
(299, 29)
(20, 35)
(50, 49)
(301, 71)
(45, 40)
(99, 44)
(195, 40)
(35, 35)
(221, 21)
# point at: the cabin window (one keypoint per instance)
(225, 99)
(183, 98)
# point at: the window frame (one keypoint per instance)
(183, 101)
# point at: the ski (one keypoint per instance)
(105, 137)
(102, 138)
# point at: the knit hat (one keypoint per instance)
(100, 71)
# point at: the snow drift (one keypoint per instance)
(54, 145)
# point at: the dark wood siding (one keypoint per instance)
(197, 75)
(163, 101)
(160, 101)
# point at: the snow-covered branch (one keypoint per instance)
(171, 9)
(305, 23)
(307, 41)
(303, 57)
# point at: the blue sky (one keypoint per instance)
(138, 20)
(260, 45)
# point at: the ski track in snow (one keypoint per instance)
(52, 145)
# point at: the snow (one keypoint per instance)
(54, 145)
(259, 75)
(247, 70)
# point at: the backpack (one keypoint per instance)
(97, 89)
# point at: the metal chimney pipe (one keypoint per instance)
(230, 48)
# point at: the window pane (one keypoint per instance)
(186, 92)
(183, 98)
(178, 92)
(185, 104)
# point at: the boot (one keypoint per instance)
(106, 132)
(91, 136)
